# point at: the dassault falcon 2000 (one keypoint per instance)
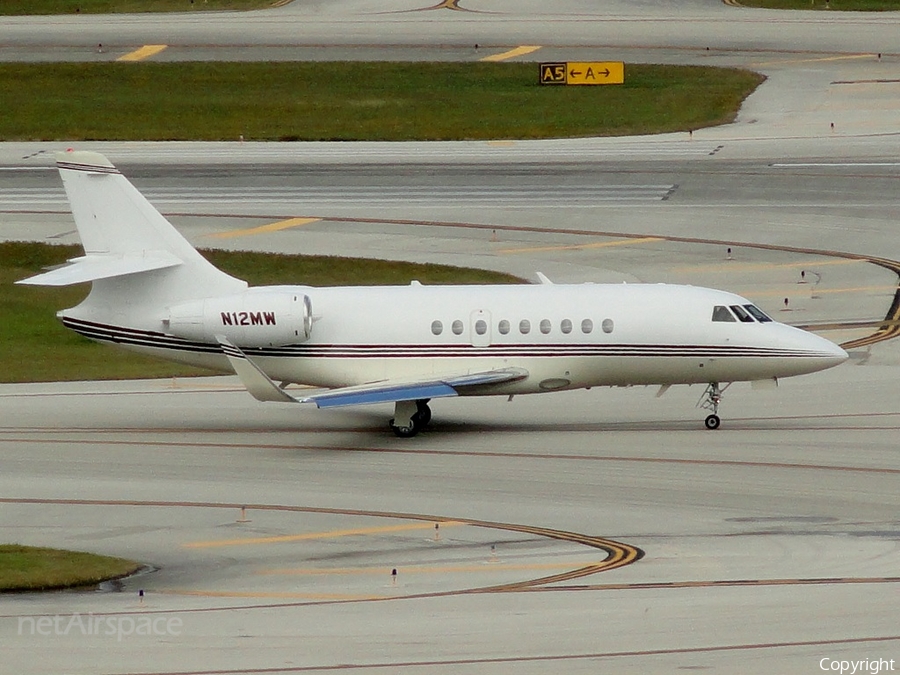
(152, 292)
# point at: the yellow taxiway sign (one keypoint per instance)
(583, 72)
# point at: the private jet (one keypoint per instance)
(152, 292)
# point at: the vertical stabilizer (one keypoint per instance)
(133, 255)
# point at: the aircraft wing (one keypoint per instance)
(263, 388)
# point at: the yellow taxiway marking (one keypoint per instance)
(264, 594)
(731, 265)
(440, 569)
(821, 291)
(518, 51)
(144, 52)
(848, 57)
(319, 535)
(578, 247)
(262, 229)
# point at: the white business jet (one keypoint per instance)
(152, 292)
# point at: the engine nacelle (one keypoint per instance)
(255, 318)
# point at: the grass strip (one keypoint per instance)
(34, 346)
(33, 7)
(26, 568)
(344, 101)
(839, 5)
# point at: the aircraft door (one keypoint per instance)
(480, 328)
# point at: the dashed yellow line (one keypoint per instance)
(733, 266)
(265, 594)
(848, 57)
(822, 291)
(263, 229)
(578, 247)
(144, 52)
(518, 51)
(439, 569)
(317, 535)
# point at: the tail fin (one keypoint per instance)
(124, 236)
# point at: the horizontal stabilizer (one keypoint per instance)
(260, 385)
(96, 266)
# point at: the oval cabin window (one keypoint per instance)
(524, 326)
(503, 327)
(545, 326)
(587, 326)
(437, 327)
(607, 325)
(566, 326)
(457, 327)
(480, 327)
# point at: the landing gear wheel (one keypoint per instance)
(405, 432)
(713, 422)
(422, 416)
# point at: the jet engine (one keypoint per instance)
(254, 318)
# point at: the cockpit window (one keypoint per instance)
(757, 313)
(741, 313)
(721, 313)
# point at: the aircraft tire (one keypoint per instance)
(713, 422)
(404, 432)
(423, 415)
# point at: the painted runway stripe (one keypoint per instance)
(512, 53)
(144, 52)
(319, 535)
(579, 247)
(486, 566)
(264, 229)
(420, 666)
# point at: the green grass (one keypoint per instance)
(20, 7)
(353, 101)
(840, 5)
(34, 346)
(25, 568)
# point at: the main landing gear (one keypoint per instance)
(710, 400)
(410, 417)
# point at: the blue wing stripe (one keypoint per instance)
(386, 395)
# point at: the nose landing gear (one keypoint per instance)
(710, 400)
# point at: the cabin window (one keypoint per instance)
(607, 325)
(741, 313)
(587, 326)
(757, 313)
(524, 326)
(566, 326)
(545, 326)
(457, 327)
(437, 327)
(480, 327)
(721, 313)
(503, 327)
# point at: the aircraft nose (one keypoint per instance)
(832, 354)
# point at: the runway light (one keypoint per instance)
(728, 255)
(394, 577)
(141, 596)
(243, 518)
(437, 531)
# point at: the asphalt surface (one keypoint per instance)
(582, 531)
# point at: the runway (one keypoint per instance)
(582, 531)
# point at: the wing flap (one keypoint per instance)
(262, 388)
(389, 391)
